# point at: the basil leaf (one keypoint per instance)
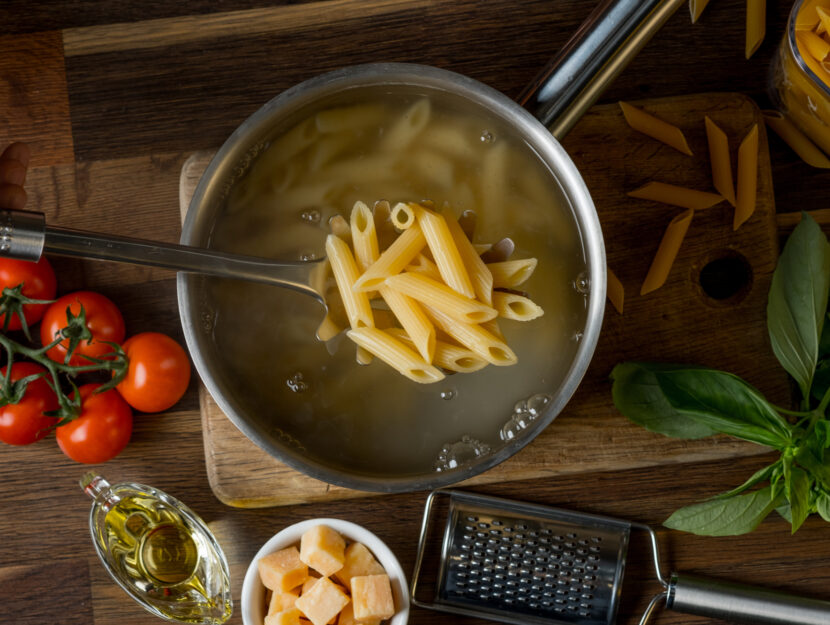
(638, 396)
(815, 464)
(821, 379)
(823, 506)
(759, 476)
(821, 431)
(797, 484)
(725, 403)
(725, 517)
(798, 301)
(785, 512)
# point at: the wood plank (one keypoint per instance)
(33, 97)
(678, 323)
(27, 600)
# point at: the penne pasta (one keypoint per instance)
(479, 274)
(808, 16)
(362, 356)
(655, 128)
(348, 118)
(493, 328)
(345, 272)
(340, 228)
(511, 273)
(444, 250)
(402, 216)
(494, 169)
(792, 136)
(447, 356)
(364, 237)
(817, 47)
(424, 265)
(413, 319)
(433, 167)
(288, 146)
(615, 291)
(756, 25)
(824, 23)
(393, 259)
(747, 178)
(516, 307)
(327, 148)
(401, 133)
(667, 252)
(438, 295)
(480, 341)
(696, 7)
(395, 354)
(676, 196)
(467, 221)
(720, 161)
(328, 329)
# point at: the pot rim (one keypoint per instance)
(548, 149)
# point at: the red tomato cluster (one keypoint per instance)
(157, 376)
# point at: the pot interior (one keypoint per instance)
(393, 133)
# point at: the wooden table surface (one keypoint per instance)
(113, 95)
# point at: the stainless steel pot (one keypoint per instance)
(615, 31)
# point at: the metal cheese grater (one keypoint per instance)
(529, 564)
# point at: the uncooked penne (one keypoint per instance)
(676, 196)
(364, 237)
(473, 336)
(395, 354)
(720, 161)
(345, 272)
(667, 252)
(477, 270)
(348, 118)
(696, 7)
(615, 291)
(516, 307)
(747, 178)
(402, 216)
(756, 25)
(824, 23)
(413, 319)
(808, 16)
(655, 128)
(447, 356)
(800, 144)
(511, 273)
(444, 250)
(815, 45)
(438, 295)
(393, 259)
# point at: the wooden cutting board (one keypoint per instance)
(680, 322)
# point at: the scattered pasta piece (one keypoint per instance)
(667, 252)
(676, 196)
(747, 178)
(615, 291)
(721, 163)
(756, 25)
(696, 7)
(655, 128)
(800, 144)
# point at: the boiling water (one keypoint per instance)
(400, 146)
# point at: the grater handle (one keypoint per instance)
(743, 604)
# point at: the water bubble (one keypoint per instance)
(582, 284)
(308, 256)
(310, 215)
(537, 404)
(454, 455)
(487, 137)
(296, 383)
(576, 336)
(448, 394)
(510, 430)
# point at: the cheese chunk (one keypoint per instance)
(307, 584)
(290, 616)
(372, 597)
(347, 618)
(322, 602)
(359, 561)
(323, 549)
(281, 601)
(282, 570)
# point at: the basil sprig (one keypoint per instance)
(686, 401)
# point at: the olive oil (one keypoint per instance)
(159, 551)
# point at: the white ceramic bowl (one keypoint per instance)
(253, 592)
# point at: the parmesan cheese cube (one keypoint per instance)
(307, 584)
(322, 602)
(358, 561)
(323, 549)
(372, 597)
(347, 618)
(290, 616)
(281, 601)
(282, 570)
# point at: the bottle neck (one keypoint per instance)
(94, 485)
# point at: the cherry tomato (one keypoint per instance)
(158, 374)
(24, 423)
(102, 318)
(38, 283)
(101, 431)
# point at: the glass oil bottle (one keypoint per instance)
(159, 551)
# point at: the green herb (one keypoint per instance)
(686, 401)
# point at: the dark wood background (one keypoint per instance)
(113, 96)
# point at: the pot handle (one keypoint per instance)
(599, 50)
